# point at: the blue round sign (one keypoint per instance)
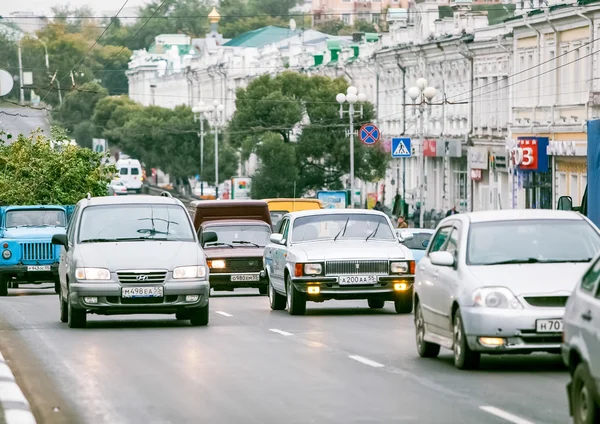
(369, 134)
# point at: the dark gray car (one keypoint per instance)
(131, 255)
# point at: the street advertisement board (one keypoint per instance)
(333, 199)
(240, 187)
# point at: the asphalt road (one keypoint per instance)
(341, 363)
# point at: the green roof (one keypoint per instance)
(261, 37)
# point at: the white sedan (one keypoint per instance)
(497, 282)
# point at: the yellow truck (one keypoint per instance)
(279, 207)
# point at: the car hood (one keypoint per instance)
(236, 252)
(352, 249)
(31, 232)
(557, 279)
(140, 255)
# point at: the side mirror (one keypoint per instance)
(277, 239)
(208, 237)
(406, 235)
(442, 258)
(60, 239)
(565, 203)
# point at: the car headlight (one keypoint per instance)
(217, 264)
(92, 274)
(6, 254)
(183, 272)
(399, 267)
(313, 269)
(496, 297)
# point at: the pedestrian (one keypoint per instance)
(452, 211)
(378, 206)
(402, 222)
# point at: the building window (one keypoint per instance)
(375, 18)
(346, 18)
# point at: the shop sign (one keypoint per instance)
(476, 174)
(532, 154)
(449, 148)
(478, 157)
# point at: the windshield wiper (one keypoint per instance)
(115, 240)
(97, 240)
(219, 243)
(245, 242)
(342, 231)
(374, 232)
(535, 260)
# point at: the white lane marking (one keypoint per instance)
(225, 314)
(366, 361)
(5, 372)
(18, 416)
(10, 392)
(504, 415)
(283, 333)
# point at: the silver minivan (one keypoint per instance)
(131, 255)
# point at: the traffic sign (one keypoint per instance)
(401, 148)
(369, 134)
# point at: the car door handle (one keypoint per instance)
(587, 316)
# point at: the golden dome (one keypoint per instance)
(213, 16)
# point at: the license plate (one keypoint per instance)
(357, 279)
(246, 277)
(136, 292)
(38, 268)
(549, 326)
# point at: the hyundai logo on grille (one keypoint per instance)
(141, 277)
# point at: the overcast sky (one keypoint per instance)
(41, 7)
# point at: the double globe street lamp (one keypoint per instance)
(424, 94)
(352, 96)
(214, 111)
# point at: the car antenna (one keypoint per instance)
(166, 194)
(89, 196)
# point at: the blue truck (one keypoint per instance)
(27, 255)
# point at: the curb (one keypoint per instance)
(14, 406)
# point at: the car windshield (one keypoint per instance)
(133, 222)
(36, 218)
(240, 235)
(419, 241)
(530, 241)
(341, 226)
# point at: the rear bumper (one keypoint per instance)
(110, 302)
(20, 273)
(330, 289)
(222, 281)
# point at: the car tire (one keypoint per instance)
(464, 357)
(376, 303)
(3, 287)
(425, 349)
(404, 303)
(276, 300)
(583, 395)
(296, 302)
(76, 318)
(199, 316)
(263, 290)
(57, 286)
(64, 308)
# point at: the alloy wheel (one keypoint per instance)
(457, 338)
(584, 403)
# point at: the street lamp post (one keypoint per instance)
(424, 94)
(199, 114)
(352, 96)
(218, 109)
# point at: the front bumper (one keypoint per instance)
(516, 327)
(330, 289)
(222, 281)
(110, 302)
(22, 275)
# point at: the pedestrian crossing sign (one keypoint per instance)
(401, 148)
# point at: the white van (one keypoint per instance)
(130, 173)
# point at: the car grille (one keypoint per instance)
(142, 277)
(552, 339)
(547, 301)
(356, 267)
(37, 251)
(252, 264)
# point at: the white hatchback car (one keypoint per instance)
(497, 282)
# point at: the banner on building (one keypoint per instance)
(534, 154)
(478, 157)
(429, 148)
(449, 148)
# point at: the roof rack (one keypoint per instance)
(166, 194)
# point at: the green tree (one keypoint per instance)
(277, 172)
(39, 170)
(331, 27)
(275, 8)
(78, 105)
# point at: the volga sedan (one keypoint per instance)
(497, 282)
(329, 254)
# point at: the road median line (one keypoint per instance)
(15, 406)
(507, 416)
(283, 333)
